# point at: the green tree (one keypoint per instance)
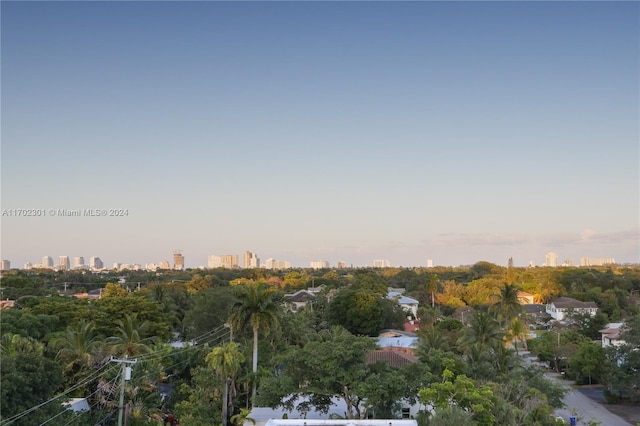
(432, 287)
(507, 306)
(517, 332)
(461, 392)
(623, 363)
(359, 311)
(114, 290)
(129, 339)
(332, 364)
(483, 331)
(211, 308)
(255, 306)
(226, 360)
(27, 379)
(370, 281)
(77, 349)
(587, 363)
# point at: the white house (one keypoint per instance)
(335, 416)
(408, 304)
(559, 308)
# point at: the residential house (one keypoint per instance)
(561, 307)
(611, 334)
(410, 305)
(300, 299)
(398, 340)
(526, 298)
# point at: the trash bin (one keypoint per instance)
(572, 421)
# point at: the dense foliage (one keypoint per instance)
(177, 326)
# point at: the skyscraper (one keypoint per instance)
(178, 260)
(250, 260)
(95, 263)
(319, 264)
(5, 265)
(381, 263)
(78, 262)
(63, 262)
(47, 262)
(551, 260)
(229, 261)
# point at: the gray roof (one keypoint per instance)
(569, 303)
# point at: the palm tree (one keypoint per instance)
(226, 360)
(255, 306)
(243, 416)
(77, 347)
(128, 340)
(508, 306)
(517, 332)
(432, 287)
(483, 331)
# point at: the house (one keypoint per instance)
(399, 340)
(77, 405)
(526, 298)
(4, 304)
(561, 307)
(265, 416)
(611, 334)
(410, 305)
(395, 358)
(300, 298)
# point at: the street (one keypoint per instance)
(581, 406)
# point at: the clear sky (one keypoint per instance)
(338, 131)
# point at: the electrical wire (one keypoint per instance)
(217, 334)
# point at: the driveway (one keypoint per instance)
(579, 405)
(584, 408)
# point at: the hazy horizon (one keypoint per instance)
(338, 131)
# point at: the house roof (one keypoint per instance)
(402, 300)
(569, 303)
(393, 358)
(612, 330)
(396, 333)
(399, 342)
(300, 296)
(534, 309)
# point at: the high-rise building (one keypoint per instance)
(78, 262)
(63, 262)
(381, 263)
(551, 260)
(95, 263)
(214, 261)
(250, 260)
(230, 261)
(342, 265)
(178, 260)
(5, 265)
(271, 263)
(601, 261)
(47, 262)
(319, 264)
(429, 263)
(28, 265)
(164, 264)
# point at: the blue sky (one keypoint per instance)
(341, 131)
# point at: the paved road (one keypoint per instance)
(582, 407)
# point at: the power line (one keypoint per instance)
(215, 335)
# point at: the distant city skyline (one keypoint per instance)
(302, 131)
(231, 261)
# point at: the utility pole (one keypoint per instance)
(126, 375)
